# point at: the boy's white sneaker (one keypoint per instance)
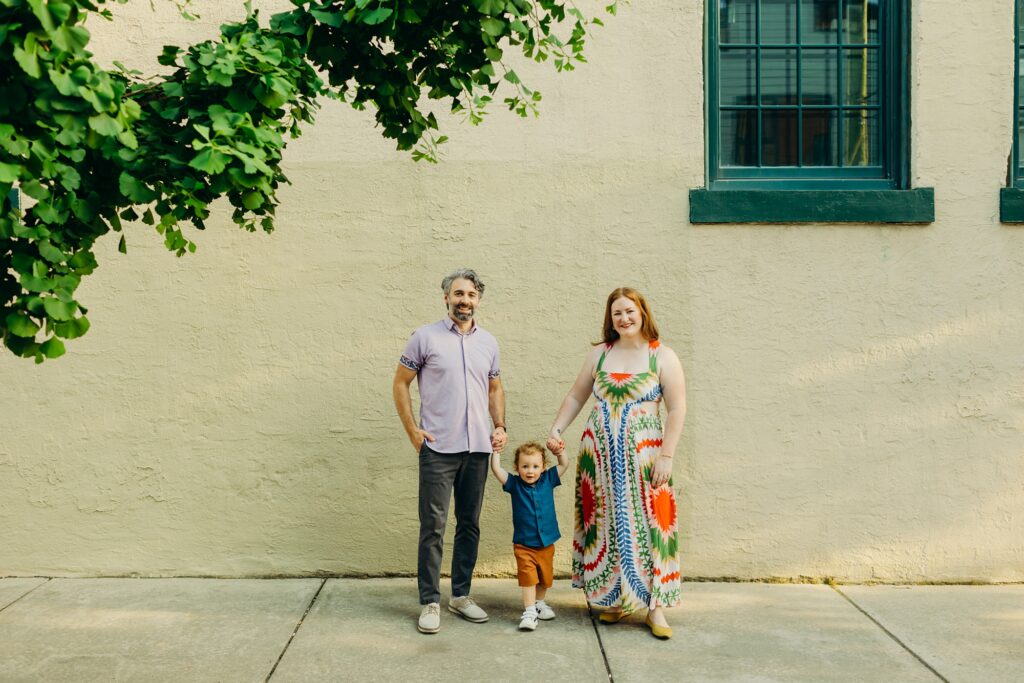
(529, 621)
(430, 618)
(544, 611)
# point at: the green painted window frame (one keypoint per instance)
(1011, 199)
(821, 194)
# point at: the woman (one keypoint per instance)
(625, 540)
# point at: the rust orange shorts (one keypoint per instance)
(535, 565)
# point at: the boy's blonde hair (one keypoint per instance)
(531, 447)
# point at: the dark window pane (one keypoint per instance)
(779, 137)
(737, 21)
(860, 22)
(1020, 76)
(778, 76)
(820, 137)
(819, 75)
(1020, 135)
(861, 138)
(738, 80)
(739, 137)
(861, 76)
(778, 21)
(819, 21)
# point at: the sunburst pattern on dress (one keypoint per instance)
(625, 539)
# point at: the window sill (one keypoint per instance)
(1011, 205)
(815, 206)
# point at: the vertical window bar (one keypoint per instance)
(862, 132)
(757, 69)
(841, 84)
(1016, 91)
(799, 88)
(888, 90)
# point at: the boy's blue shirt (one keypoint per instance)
(533, 509)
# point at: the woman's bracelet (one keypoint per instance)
(662, 455)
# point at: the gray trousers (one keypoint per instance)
(441, 474)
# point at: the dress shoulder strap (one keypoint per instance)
(652, 354)
(600, 361)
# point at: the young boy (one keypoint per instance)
(534, 522)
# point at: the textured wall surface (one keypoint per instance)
(856, 393)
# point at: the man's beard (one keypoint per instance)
(462, 316)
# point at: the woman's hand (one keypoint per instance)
(555, 443)
(661, 471)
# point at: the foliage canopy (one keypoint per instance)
(95, 147)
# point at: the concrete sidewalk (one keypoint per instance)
(364, 630)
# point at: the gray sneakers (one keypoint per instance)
(467, 609)
(529, 621)
(544, 611)
(430, 618)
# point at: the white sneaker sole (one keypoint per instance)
(423, 629)
(528, 627)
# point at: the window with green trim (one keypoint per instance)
(1011, 199)
(807, 94)
(1018, 95)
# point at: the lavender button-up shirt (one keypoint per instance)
(454, 372)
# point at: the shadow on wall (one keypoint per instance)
(899, 456)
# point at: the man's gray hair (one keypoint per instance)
(463, 274)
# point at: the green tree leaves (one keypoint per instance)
(21, 325)
(92, 148)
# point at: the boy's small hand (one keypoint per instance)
(498, 439)
(556, 446)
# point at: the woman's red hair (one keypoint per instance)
(648, 328)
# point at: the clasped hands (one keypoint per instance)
(555, 443)
(498, 439)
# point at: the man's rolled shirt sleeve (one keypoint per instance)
(412, 356)
(495, 370)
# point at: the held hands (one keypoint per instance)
(661, 471)
(555, 443)
(498, 439)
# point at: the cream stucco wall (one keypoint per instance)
(856, 392)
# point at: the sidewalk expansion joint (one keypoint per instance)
(297, 627)
(26, 593)
(891, 635)
(600, 643)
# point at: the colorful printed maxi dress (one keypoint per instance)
(625, 540)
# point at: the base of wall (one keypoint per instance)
(828, 580)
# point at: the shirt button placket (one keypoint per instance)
(465, 387)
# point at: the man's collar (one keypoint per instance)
(453, 326)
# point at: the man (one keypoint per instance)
(456, 364)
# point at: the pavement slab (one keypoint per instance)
(151, 629)
(755, 632)
(13, 589)
(966, 633)
(362, 630)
